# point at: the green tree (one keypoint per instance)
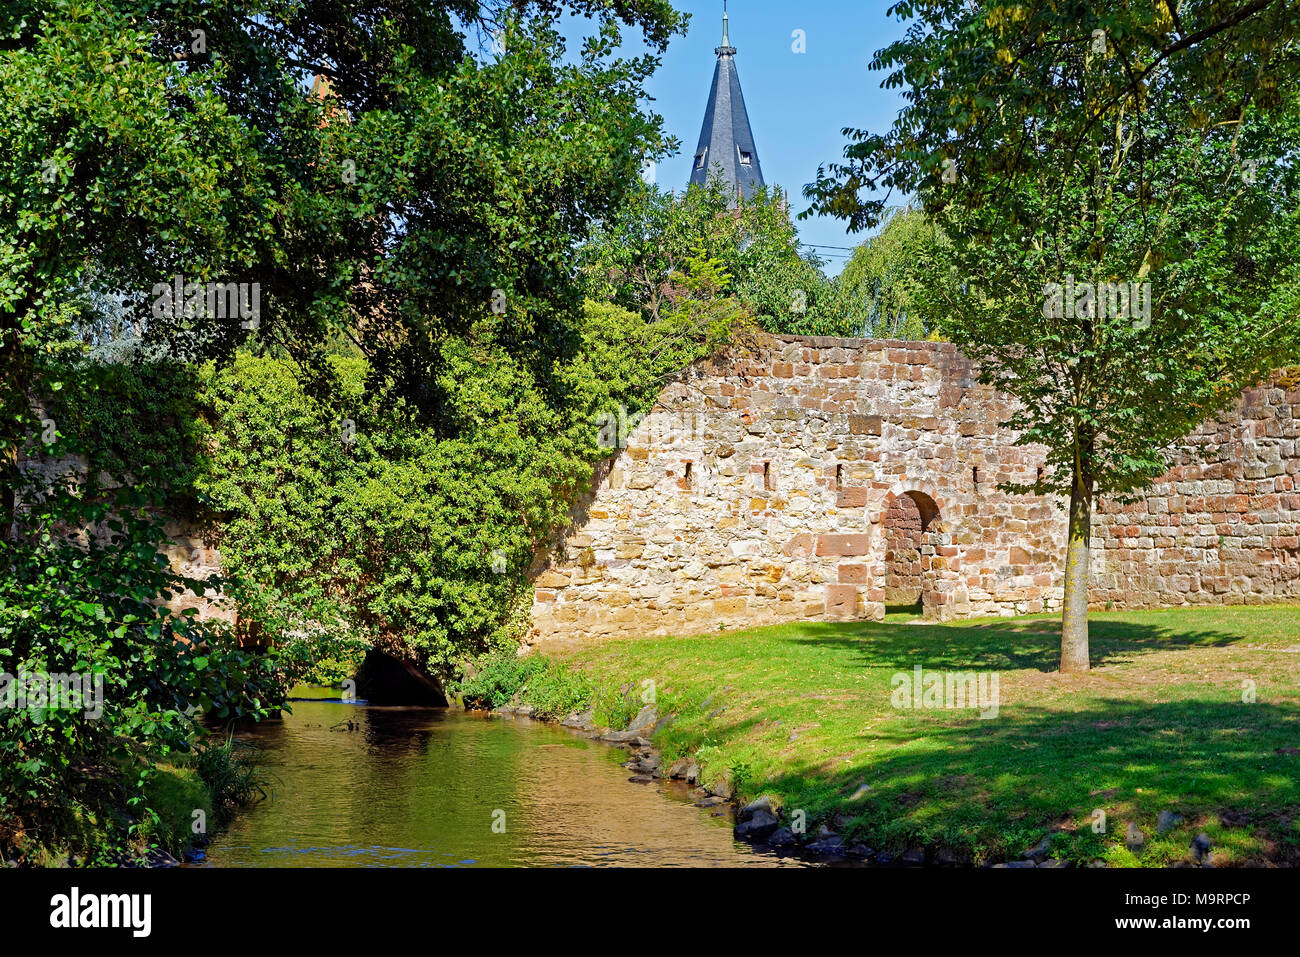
(886, 286)
(421, 202)
(1119, 184)
(429, 180)
(633, 257)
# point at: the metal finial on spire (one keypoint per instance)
(726, 49)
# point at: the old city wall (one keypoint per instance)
(822, 478)
(187, 546)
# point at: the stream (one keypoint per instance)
(434, 787)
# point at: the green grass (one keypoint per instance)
(1159, 723)
(174, 793)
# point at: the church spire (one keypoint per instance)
(726, 138)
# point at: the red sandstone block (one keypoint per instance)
(853, 574)
(843, 545)
(852, 498)
(841, 601)
(783, 370)
(949, 397)
(801, 545)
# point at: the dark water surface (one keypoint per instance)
(419, 787)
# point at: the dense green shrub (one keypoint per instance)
(553, 689)
(347, 519)
(495, 679)
(91, 609)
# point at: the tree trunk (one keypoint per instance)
(1078, 566)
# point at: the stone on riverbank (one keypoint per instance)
(582, 721)
(1039, 851)
(782, 837)
(685, 769)
(1133, 838)
(621, 737)
(758, 826)
(1201, 849)
(645, 718)
(763, 803)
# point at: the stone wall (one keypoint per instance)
(187, 547)
(1222, 525)
(767, 489)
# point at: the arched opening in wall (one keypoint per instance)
(907, 520)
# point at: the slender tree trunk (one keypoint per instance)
(1078, 568)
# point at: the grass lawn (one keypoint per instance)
(803, 712)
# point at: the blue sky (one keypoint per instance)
(798, 102)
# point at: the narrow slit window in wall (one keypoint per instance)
(768, 481)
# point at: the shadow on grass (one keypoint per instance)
(998, 645)
(992, 788)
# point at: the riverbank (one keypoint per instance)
(1181, 747)
(184, 800)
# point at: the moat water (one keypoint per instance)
(429, 787)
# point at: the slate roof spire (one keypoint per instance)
(726, 139)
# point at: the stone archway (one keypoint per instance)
(905, 525)
(919, 563)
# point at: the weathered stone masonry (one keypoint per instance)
(827, 477)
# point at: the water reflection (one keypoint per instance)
(423, 788)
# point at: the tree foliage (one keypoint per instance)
(403, 178)
(632, 258)
(1069, 151)
(886, 288)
